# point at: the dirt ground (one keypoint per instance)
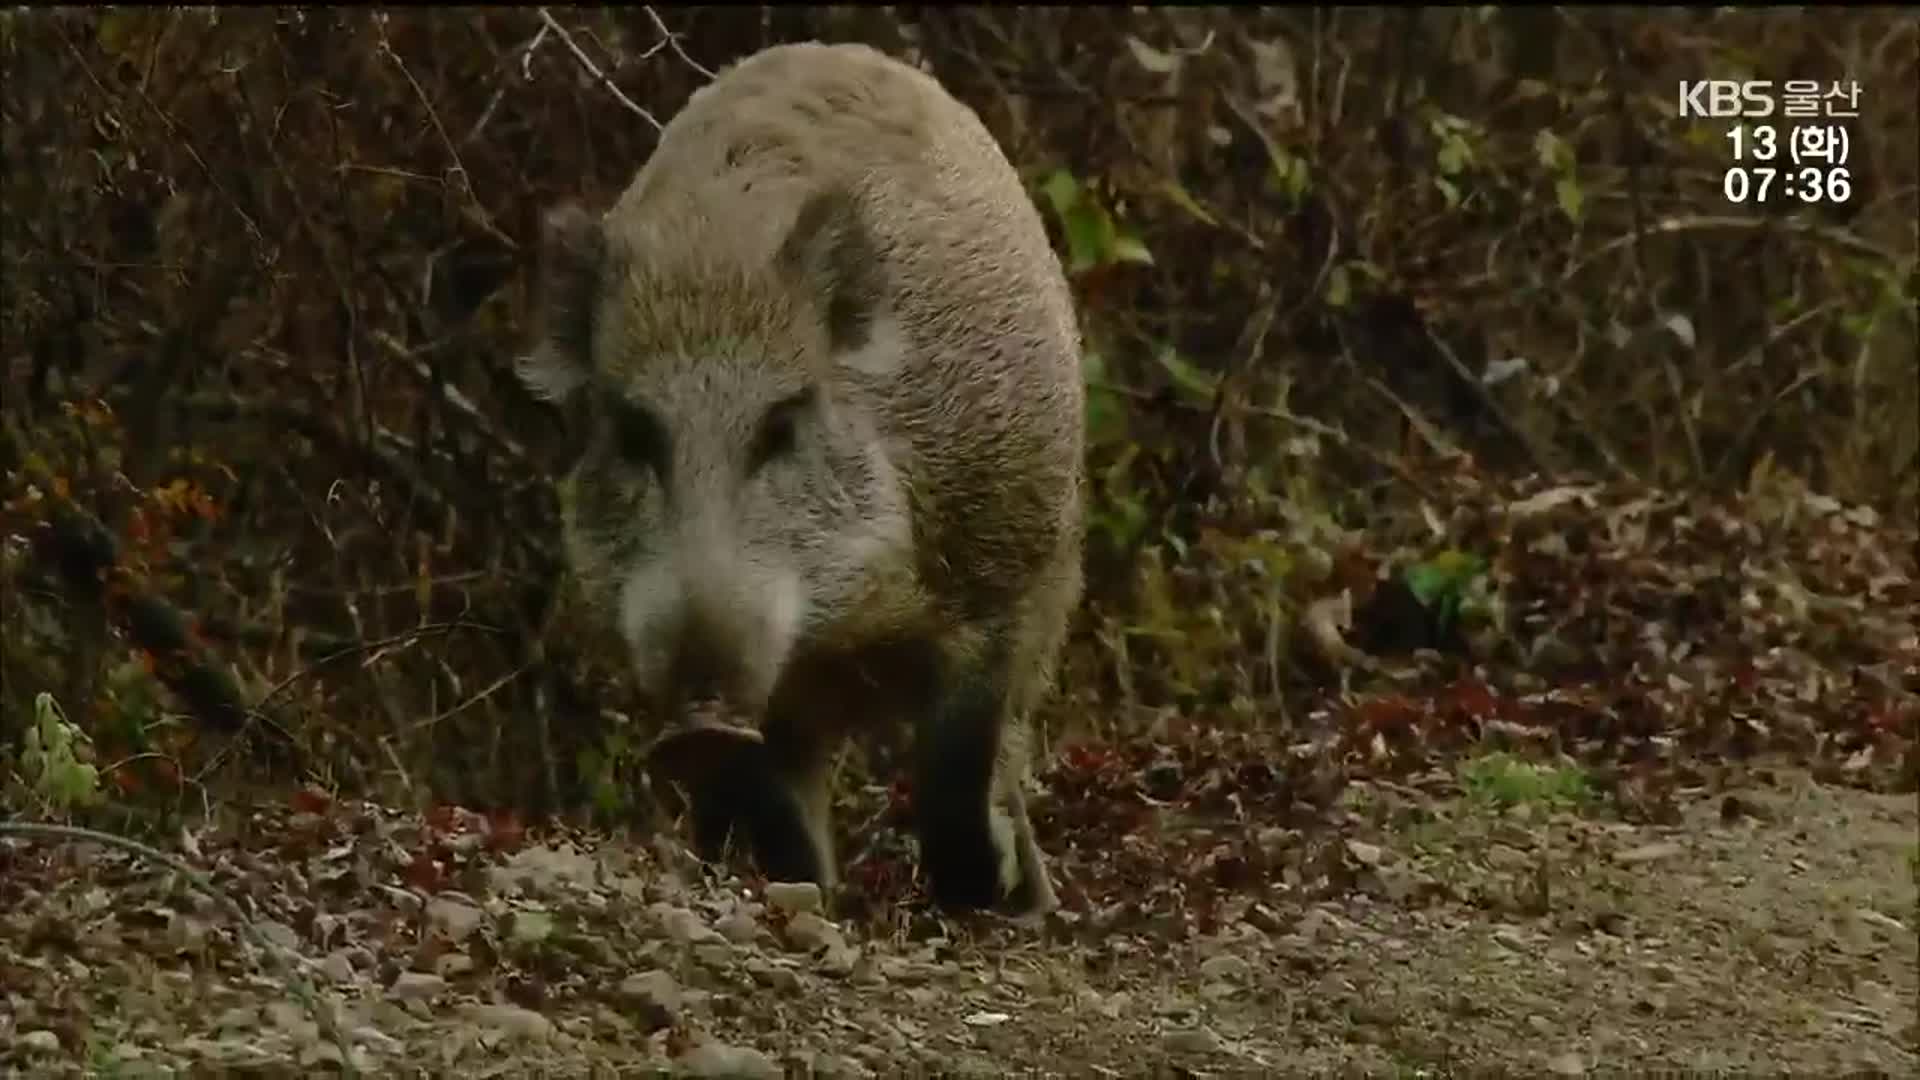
(1769, 928)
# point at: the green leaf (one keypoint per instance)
(1304, 171)
(1089, 237)
(1368, 270)
(1186, 202)
(1444, 577)
(1447, 190)
(1552, 151)
(1197, 385)
(1129, 248)
(1339, 289)
(1106, 412)
(1296, 178)
(1566, 191)
(1062, 192)
(116, 33)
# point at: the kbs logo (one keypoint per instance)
(1727, 98)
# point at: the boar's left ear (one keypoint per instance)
(573, 257)
(830, 254)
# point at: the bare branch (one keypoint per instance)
(593, 69)
(672, 41)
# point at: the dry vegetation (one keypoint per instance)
(1484, 513)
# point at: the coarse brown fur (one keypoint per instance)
(834, 462)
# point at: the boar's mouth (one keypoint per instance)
(707, 741)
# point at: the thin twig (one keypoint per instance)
(1636, 205)
(673, 42)
(474, 699)
(452, 397)
(525, 53)
(1837, 237)
(375, 647)
(213, 181)
(1488, 402)
(593, 69)
(1321, 428)
(479, 212)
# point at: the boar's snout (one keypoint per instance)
(707, 666)
(713, 637)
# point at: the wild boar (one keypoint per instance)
(829, 374)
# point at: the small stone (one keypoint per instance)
(839, 960)
(741, 928)
(1881, 920)
(779, 976)
(542, 868)
(417, 986)
(41, 1041)
(1226, 968)
(448, 965)
(453, 918)
(378, 1040)
(1261, 917)
(904, 972)
(836, 1067)
(807, 932)
(1364, 853)
(1320, 923)
(1567, 1064)
(1194, 1040)
(1398, 886)
(714, 955)
(531, 927)
(1659, 849)
(291, 1017)
(714, 1060)
(338, 966)
(186, 933)
(655, 996)
(280, 934)
(511, 1020)
(682, 925)
(794, 897)
(240, 1017)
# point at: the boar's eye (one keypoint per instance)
(777, 435)
(637, 435)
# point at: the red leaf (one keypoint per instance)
(1472, 697)
(1387, 713)
(505, 831)
(310, 800)
(125, 780)
(424, 873)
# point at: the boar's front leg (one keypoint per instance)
(976, 843)
(774, 796)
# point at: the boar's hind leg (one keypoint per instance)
(976, 844)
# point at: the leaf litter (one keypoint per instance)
(1718, 700)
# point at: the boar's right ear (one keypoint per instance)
(830, 253)
(573, 256)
